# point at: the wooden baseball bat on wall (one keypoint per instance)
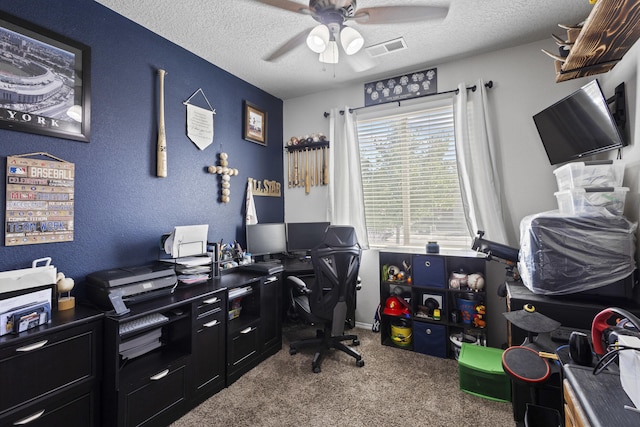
(307, 183)
(162, 137)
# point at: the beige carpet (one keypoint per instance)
(395, 388)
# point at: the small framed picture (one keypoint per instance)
(45, 81)
(255, 124)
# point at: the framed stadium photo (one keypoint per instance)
(254, 128)
(44, 81)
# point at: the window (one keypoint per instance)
(410, 177)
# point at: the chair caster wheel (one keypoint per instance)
(293, 351)
(355, 342)
(360, 363)
(316, 369)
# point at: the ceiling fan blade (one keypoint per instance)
(291, 6)
(295, 41)
(399, 14)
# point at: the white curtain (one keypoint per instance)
(345, 198)
(476, 155)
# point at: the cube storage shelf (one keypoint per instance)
(422, 281)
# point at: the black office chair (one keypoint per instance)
(329, 299)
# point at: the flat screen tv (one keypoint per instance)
(579, 125)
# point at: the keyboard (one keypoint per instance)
(142, 322)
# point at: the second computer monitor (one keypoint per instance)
(266, 239)
(304, 236)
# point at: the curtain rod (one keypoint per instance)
(473, 88)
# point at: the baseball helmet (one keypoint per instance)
(397, 307)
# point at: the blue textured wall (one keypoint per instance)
(121, 207)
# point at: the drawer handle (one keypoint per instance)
(270, 279)
(210, 324)
(247, 330)
(427, 263)
(211, 300)
(28, 419)
(32, 347)
(428, 331)
(159, 376)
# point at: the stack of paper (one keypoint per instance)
(190, 261)
(190, 279)
(141, 344)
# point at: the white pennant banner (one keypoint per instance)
(200, 126)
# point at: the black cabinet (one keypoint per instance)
(50, 374)
(243, 329)
(254, 328)
(209, 344)
(270, 317)
(574, 312)
(180, 361)
(430, 303)
(213, 333)
(151, 387)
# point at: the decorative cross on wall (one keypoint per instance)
(226, 173)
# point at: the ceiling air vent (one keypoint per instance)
(386, 47)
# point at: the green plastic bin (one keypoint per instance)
(481, 373)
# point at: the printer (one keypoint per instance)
(111, 289)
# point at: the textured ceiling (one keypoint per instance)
(236, 35)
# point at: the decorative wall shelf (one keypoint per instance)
(611, 29)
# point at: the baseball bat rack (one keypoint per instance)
(308, 164)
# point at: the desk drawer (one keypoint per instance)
(162, 392)
(242, 351)
(209, 304)
(68, 409)
(33, 368)
(243, 345)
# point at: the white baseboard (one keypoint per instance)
(363, 325)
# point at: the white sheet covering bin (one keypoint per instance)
(630, 368)
(36, 276)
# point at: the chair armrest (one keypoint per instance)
(299, 285)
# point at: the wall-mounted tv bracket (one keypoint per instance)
(619, 102)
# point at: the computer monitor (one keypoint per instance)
(304, 236)
(266, 239)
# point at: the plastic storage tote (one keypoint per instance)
(582, 201)
(589, 174)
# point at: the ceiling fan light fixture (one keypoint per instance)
(330, 55)
(351, 40)
(318, 38)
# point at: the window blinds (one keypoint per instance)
(410, 179)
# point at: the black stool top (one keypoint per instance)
(524, 364)
(528, 319)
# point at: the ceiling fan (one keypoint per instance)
(333, 15)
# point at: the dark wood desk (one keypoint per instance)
(572, 311)
(596, 400)
(295, 266)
